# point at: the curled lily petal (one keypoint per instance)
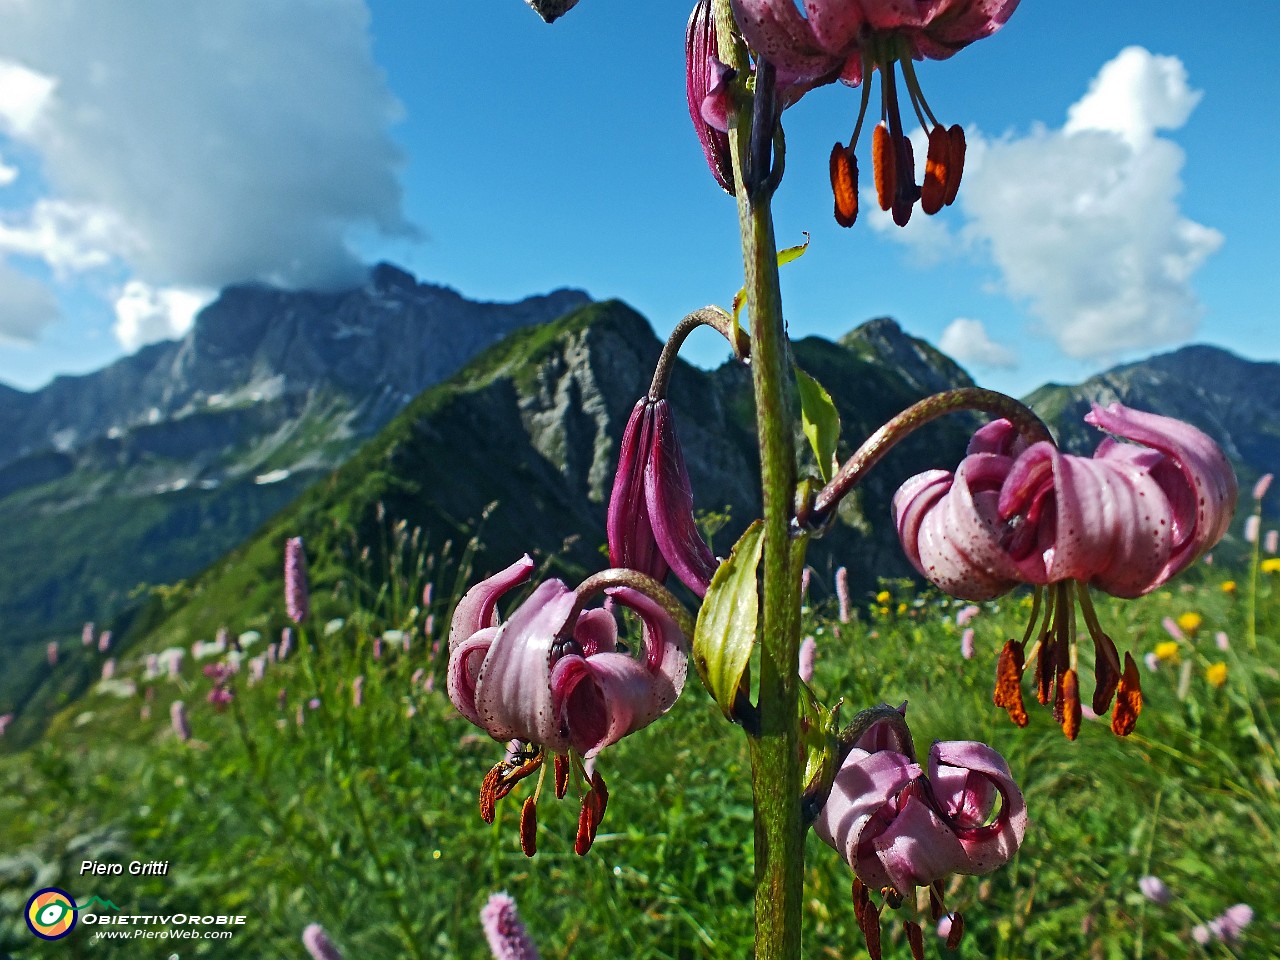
(970, 802)
(475, 610)
(1205, 499)
(1106, 521)
(670, 505)
(513, 691)
(865, 784)
(915, 848)
(951, 531)
(540, 679)
(464, 669)
(608, 696)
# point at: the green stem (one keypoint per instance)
(775, 752)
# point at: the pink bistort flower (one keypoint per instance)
(503, 928)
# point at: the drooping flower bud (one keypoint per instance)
(651, 527)
(706, 87)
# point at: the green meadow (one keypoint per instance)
(293, 804)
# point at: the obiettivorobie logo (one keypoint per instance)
(52, 913)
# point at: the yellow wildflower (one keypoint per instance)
(1190, 622)
(883, 597)
(1216, 673)
(884, 611)
(902, 608)
(1271, 565)
(1167, 650)
(1228, 586)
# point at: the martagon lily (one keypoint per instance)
(1124, 521)
(555, 680)
(900, 825)
(848, 40)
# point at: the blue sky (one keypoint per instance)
(1121, 196)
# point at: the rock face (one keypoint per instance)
(150, 469)
(376, 346)
(522, 445)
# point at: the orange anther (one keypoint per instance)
(1009, 682)
(1070, 689)
(956, 165)
(844, 184)
(561, 775)
(937, 165)
(884, 166)
(1128, 700)
(529, 827)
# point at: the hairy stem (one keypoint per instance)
(712, 316)
(775, 754)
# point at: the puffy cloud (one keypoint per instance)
(1134, 95)
(69, 237)
(23, 94)
(1083, 222)
(8, 174)
(145, 314)
(27, 306)
(193, 145)
(967, 341)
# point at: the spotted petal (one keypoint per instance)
(513, 690)
(1202, 494)
(475, 610)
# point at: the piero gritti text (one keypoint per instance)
(136, 868)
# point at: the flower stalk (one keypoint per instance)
(775, 755)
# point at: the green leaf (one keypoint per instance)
(818, 730)
(821, 423)
(785, 256)
(726, 629)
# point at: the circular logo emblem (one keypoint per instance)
(51, 913)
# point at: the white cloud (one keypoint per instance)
(194, 145)
(23, 94)
(145, 314)
(69, 237)
(1134, 95)
(1083, 222)
(8, 174)
(967, 341)
(27, 306)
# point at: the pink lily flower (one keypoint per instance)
(540, 680)
(849, 39)
(650, 522)
(1125, 521)
(900, 827)
(555, 681)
